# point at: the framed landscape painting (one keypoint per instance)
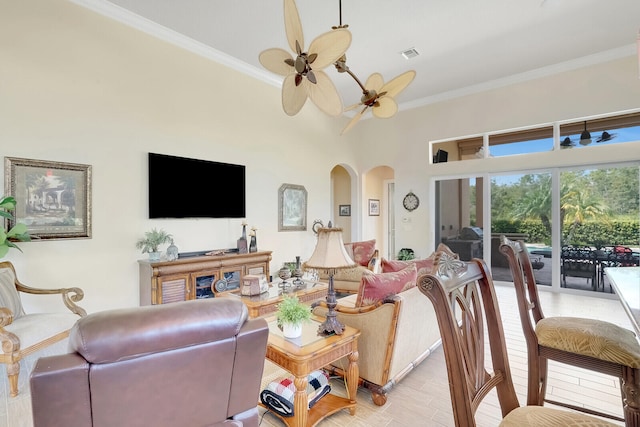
(53, 199)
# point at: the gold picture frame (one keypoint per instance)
(53, 199)
(292, 208)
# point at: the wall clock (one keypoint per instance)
(410, 201)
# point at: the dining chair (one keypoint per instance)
(591, 344)
(466, 306)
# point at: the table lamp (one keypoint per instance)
(330, 255)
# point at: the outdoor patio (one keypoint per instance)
(543, 277)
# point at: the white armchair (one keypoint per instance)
(23, 334)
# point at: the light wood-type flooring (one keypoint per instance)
(422, 397)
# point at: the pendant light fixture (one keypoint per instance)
(585, 136)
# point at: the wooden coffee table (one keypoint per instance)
(303, 355)
(267, 303)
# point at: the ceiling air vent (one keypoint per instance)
(410, 53)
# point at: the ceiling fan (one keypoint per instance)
(304, 77)
(378, 96)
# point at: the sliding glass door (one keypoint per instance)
(594, 209)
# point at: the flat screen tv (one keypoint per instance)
(180, 187)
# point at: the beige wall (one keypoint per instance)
(77, 87)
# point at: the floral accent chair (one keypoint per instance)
(22, 334)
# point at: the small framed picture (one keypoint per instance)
(374, 207)
(345, 210)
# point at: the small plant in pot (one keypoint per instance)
(152, 241)
(17, 233)
(291, 315)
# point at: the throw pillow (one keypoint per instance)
(423, 266)
(349, 249)
(363, 251)
(377, 287)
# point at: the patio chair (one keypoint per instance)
(466, 306)
(586, 343)
(623, 257)
(579, 262)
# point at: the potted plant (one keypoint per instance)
(406, 254)
(151, 241)
(291, 315)
(17, 232)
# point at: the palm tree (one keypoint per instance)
(579, 203)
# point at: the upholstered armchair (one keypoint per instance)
(23, 334)
(187, 363)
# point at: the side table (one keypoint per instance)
(303, 355)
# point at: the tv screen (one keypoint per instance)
(180, 187)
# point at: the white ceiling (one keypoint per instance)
(464, 45)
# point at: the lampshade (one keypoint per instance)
(330, 253)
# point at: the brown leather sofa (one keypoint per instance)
(192, 363)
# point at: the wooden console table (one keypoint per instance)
(308, 353)
(198, 277)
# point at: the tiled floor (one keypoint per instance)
(422, 397)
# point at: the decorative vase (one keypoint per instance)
(297, 273)
(292, 330)
(253, 246)
(284, 273)
(154, 256)
(242, 241)
(172, 252)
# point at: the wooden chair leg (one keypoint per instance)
(13, 370)
(534, 381)
(542, 384)
(630, 387)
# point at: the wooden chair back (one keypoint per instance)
(465, 303)
(524, 282)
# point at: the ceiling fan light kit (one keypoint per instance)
(304, 78)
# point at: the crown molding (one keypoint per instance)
(154, 29)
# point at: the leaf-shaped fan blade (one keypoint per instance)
(329, 47)
(293, 97)
(273, 60)
(397, 85)
(353, 121)
(352, 107)
(374, 82)
(387, 107)
(324, 94)
(292, 25)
